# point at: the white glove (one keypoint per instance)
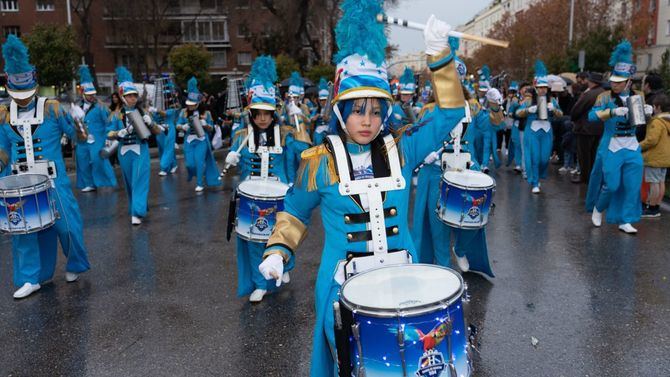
(272, 268)
(77, 112)
(185, 127)
(64, 140)
(532, 109)
(153, 109)
(122, 133)
(147, 119)
(293, 109)
(436, 36)
(620, 111)
(233, 158)
(648, 110)
(321, 129)
(432, 157)
(161, 127)
(550, 106)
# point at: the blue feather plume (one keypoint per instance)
(17, 58)
(358, 31)
(623, 53)
(407, 76)
(485, 73)
(296, 80)
(264, 70)
(540, 68)
(323, 84)
(192, 85)
(123, 74)
(85, 74)
(454, 44)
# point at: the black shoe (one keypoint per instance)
(651, 212)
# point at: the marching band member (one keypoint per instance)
(166, 140)
(264, 131)
(295, 111)
(616, 177)
(319, 119)
(341, 174)
(198, 156)
(91, 120)
(403, 112)
(511, 105)
(431, 237)
(34, 254)
(133, 152)
(538, 137)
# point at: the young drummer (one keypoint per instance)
(264, 155)
(360, 178)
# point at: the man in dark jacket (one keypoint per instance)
(587, 133)
(652, 85)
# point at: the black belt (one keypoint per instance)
(366, 235)
(363, 218)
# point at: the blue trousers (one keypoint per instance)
(620, 193)
(166, 153)
(249, 257)
(538, 154)
(136, 170)
(93, 171)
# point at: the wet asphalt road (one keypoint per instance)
(160, 298)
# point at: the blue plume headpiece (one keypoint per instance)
(621, 62)
(125, 81)
(358, 31)
(323, 89)
(85, 74)
(21, 75)
(193, 96)
(407, 76)
(514, 86)
(484, 78)
(296, 85)
(263, 71)
(541, 74)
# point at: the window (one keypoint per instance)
(190, 31)
(219, 58)
(242, 31)
(243, 58)
(204, 31)
(9, 5)
(219, 31)
(7, 30)
(242, 4)
(45, 5)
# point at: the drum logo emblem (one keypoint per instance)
(13, 215)
(474, 212)
(261, 222)
(431, 364)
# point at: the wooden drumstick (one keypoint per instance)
(417, 26)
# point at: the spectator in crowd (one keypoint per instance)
(587, 134)
(652, 85)
(558, 124)
(656, 154)
(580, 85)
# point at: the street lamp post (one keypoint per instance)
(572, 19)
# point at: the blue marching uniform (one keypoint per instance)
(198, 155)
(616, 177)
(515, 153)
(92, 170)
(345, 221)
(538, 138)
(34, 254)
(474, 134)
(135, 164)
(432, 238)
(249, 253)
(166, 140)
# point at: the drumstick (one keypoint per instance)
(239, 149)
(417, 26)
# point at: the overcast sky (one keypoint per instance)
(454, 12)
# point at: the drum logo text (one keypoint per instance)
(431, 364)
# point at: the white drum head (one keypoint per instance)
(13, 182)
(263, 188)
(408, 288)
(469, 178)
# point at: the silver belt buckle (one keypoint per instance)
(358, 265)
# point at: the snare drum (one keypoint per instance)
(257, 206)
(26, 203)
(465, 199)
(404, 320)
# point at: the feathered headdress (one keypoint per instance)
(21, 75)
(407, 83)
(193, 96)
(323, 89)
(541, 74)
(296, 85)
(484, 78)
(86, 80)
(361, 71)
(125, 79)
(261, 84)
(621, 62)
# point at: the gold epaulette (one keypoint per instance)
(52, 106)
(285, 131)
(427, 107)
(4, 114)
(311, 160)
(603, 98)
(239, 134)
(475, 107)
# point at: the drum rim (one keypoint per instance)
(262, 198)
(408, 312)
(483, 188)
(26, 190)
